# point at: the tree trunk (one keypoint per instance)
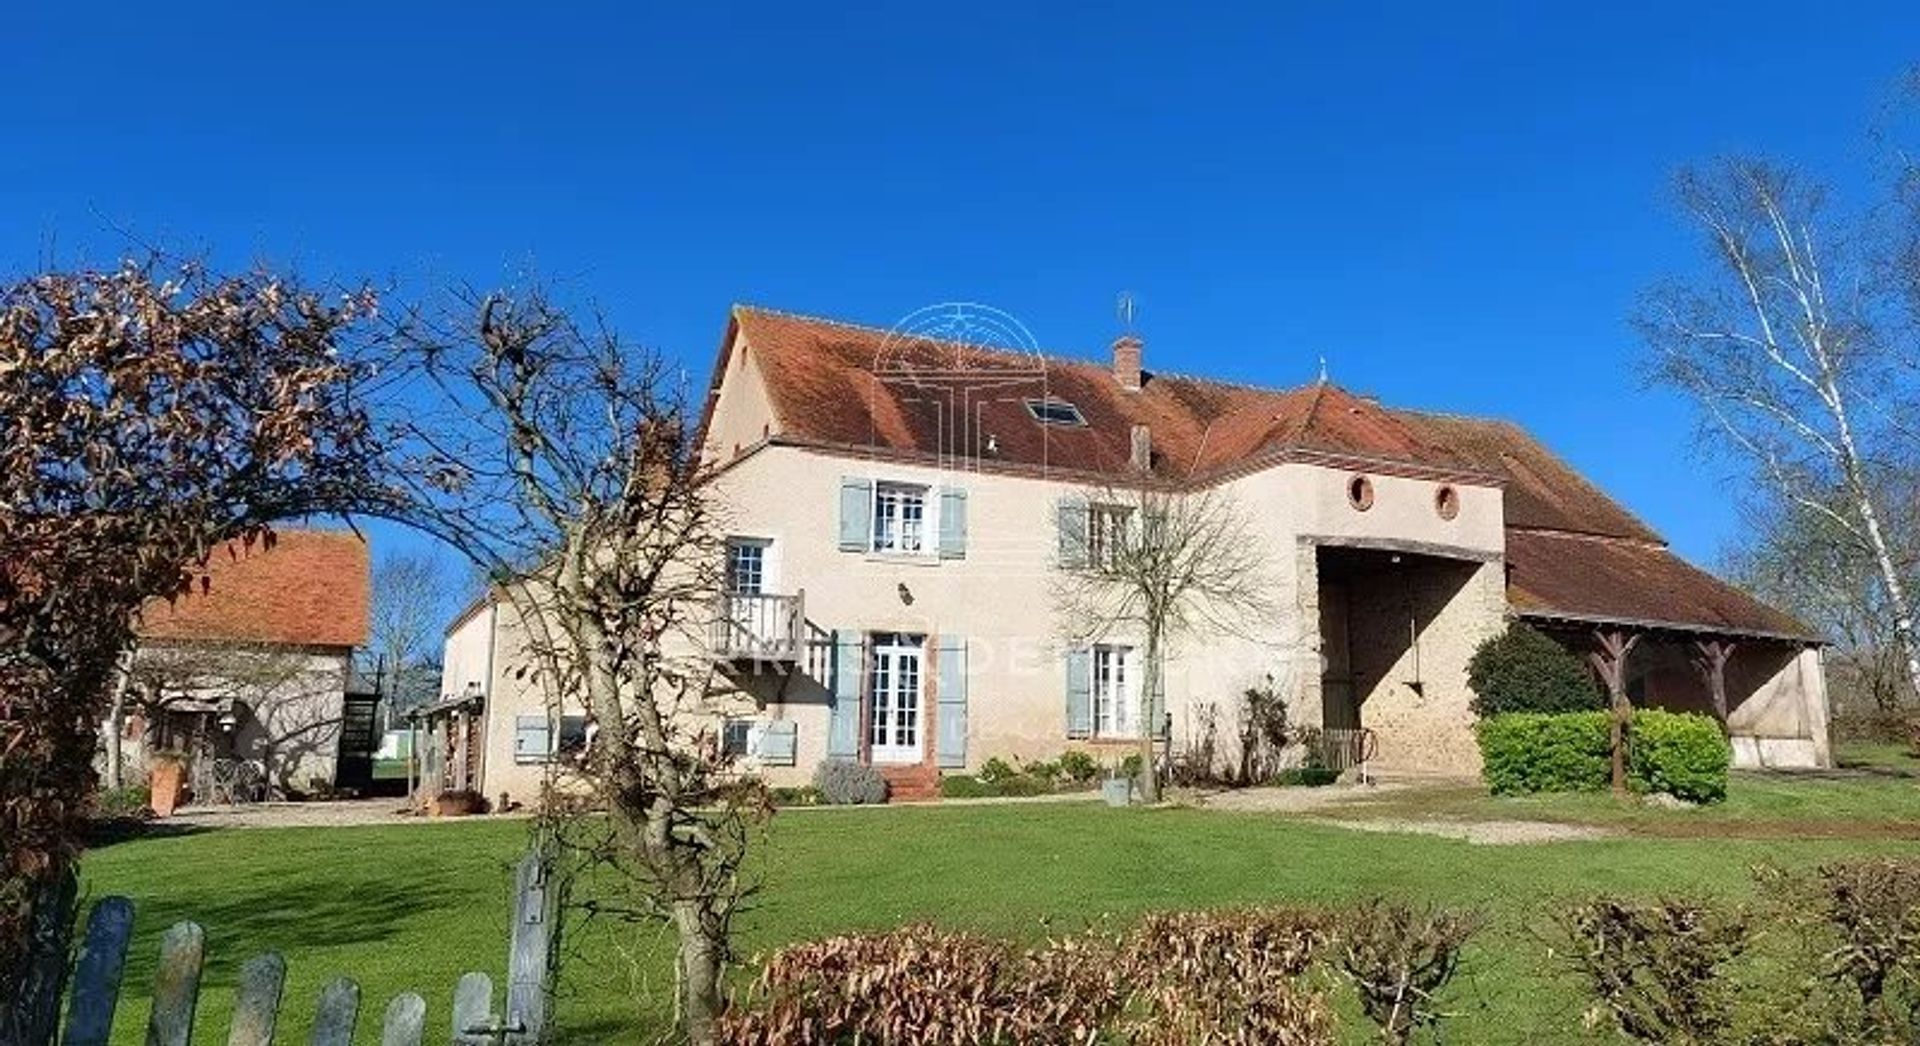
(1150, 721)
(1903, 627)
(697, 987)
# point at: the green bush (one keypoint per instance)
(996, 769)
(1521, 670)
(1306, 776)
(805, 795)
(1079, 767)
(1534, 752)
(1681, 754)
(968, 786)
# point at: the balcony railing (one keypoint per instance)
(760, 627)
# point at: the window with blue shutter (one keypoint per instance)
(532, 739)
(843, 715)
(1072, 515)
(1079, 693)
(950, 748)
(856, 514)
(953, 523)
(778, 742)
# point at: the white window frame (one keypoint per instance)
(923, 539)
(1116, 695)
(765, 548)
(1105, 524)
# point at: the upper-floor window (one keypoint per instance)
(1107, 535)
(899, 518)
(1055, 412)
(746, 566)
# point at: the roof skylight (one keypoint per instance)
(1055, 412)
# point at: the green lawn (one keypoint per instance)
(412, 907)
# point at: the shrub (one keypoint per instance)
(1398, 958)
(1129, 766)
(1655, 968)
(1681, 754)
(966, 786)
(1263, 730)
(1043, 770)
(940, 988)
(130, 803)
(996, 769)
(843, 783)
(1079, 767)
(1521, 670)
(1533, 752)
(806, 795)
(1875, 906)
(1306, 776)
(1224, 977)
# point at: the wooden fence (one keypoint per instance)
(257, 1004)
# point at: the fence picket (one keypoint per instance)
(96, 977)
(176, 986)
(472, 1008)
(530, 960)
(406, 1021)
(339, 1010)
(256, 1007)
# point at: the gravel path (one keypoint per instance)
(307, 815)
(1342, 805)
(1483, 833)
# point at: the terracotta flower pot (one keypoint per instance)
(164, 784)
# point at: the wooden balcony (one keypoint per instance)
(760, 627)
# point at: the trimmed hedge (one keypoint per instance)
(1685, 756)
(1523, 670)
(1680, 754)
(1540, 752)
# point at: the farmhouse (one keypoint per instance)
(901, 507)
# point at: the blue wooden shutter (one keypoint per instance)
(856, 514)
(531, 739)
(1080, 693)
(951, 737)
(953, 523)
(843, 718)
(1073, 534)
(779, 742)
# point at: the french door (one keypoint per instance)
(893, 730)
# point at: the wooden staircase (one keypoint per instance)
(911, 784)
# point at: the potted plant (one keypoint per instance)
(1117, 789)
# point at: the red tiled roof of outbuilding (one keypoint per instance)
(310, 588)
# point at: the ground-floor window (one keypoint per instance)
(1114, 701)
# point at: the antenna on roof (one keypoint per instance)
(1124, 309)
(1323, 368)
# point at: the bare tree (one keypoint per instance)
(406, 615)
(1788, 350)
(571, 474)
(1159, 564)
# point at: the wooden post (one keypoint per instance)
(32, 1014)
(1710, 656)
(536, 909)
(96, 977)
(1608, 657)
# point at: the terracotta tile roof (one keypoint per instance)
(312, 588)
(1572, 550)
(1608, 579)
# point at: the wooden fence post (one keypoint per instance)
(339, 1011)
(176, 987)
(530, 960)
(96, 977)
(32, 1014)
(406, 1021)
(472, 1009)
(256, 1006)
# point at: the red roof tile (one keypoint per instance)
(1609, 579)
(1572, 550)
(311, 588)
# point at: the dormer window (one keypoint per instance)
(1055, 412)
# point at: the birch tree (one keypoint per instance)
(1791, 349)
(563, 463)
(1160, 565)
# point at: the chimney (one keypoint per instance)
(1142, 456)
(1126, 361)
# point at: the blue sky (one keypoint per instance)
(1455, 203)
